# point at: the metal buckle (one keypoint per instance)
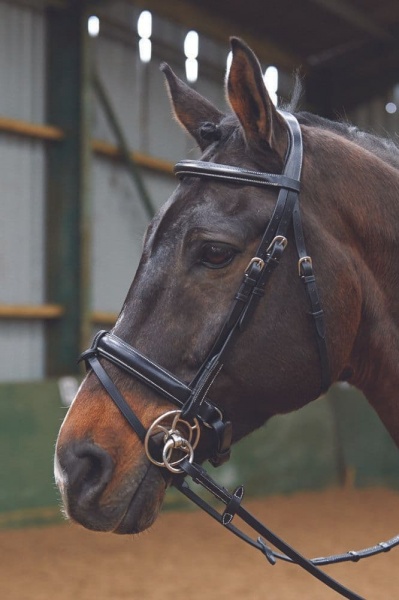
(301, 261)
(205, 424)
(280, 239)
(253, 260)
(180, 439)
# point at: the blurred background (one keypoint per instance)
(87, 146)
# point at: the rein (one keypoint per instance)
(181, 428)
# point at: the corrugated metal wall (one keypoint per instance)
(22, 61)
(119, 219)
(119, 224)
(22, 184)
(138, 95)
(139, 99)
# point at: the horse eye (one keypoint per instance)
(217, 256)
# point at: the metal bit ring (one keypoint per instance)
(178, 435)
(170, 445)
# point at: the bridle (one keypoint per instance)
(180, 429)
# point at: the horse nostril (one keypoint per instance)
(88, 469)
(94, 470)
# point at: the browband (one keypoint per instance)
(199, 168)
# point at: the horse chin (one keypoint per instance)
(145, 503)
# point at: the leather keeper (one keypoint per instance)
(232, 505)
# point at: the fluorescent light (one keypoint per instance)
(191, 43)
(391, 108)
(93, 26)
(144, 24)
(271, 81)
(191, 70)
(145, 50)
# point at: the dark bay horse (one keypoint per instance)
(195, 252)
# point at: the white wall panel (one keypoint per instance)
(116, 65)
(138, 95)
(22, 183)
(119, 225)
(22, 252)
(21, 350)
(22, 62)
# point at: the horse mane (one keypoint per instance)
(384, 148)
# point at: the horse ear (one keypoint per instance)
(192, 110)
(249, 98)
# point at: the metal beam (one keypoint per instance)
(352, 79)
(221, 28)
(355, 17)
(126, 154)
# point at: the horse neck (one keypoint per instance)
(370, 208)
(364, 191)
(359, 191)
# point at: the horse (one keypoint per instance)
(195, 252)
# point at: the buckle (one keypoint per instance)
(301, 261)
(255, 260)
(279, 239)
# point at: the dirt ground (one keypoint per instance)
(188, 555)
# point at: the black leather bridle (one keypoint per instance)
(194, 409)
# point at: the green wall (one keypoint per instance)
(337, 440)
(334, 441)
(30, 415)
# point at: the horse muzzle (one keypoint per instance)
(95, 497)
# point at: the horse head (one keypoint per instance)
(195, 252)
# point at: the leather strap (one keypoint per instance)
(234, 174)
(307, 276)
(139, 366)
(233, 502)
(201, 477)
(286, 211)
(117, 397)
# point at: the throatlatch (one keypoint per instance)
(170, 442)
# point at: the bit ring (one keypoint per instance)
(179, 436)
